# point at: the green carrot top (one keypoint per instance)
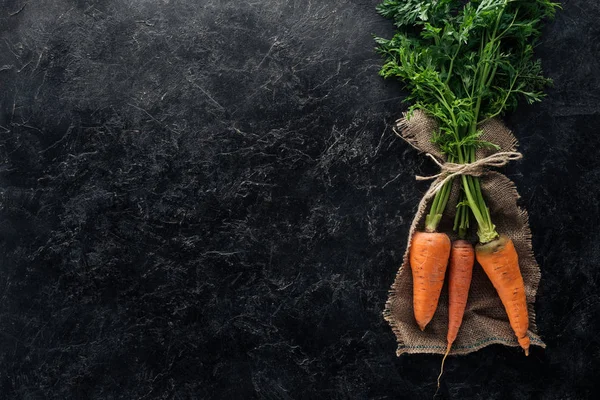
(464, 62)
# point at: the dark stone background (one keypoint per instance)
(204, 200)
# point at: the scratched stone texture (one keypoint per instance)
(205, 200)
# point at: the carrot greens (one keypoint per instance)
(463, 63)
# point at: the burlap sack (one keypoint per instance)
(485, 321)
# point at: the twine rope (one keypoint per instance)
(451, 170)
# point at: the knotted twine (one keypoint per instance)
(485, 321)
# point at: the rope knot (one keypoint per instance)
(450, 170)
(477, 168)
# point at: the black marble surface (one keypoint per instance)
(204, 200)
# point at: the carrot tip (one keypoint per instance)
(442, 368)
(422, 327)
(525, 342)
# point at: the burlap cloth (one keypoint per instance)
(485, 321)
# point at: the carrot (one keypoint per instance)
(500, 262)
(462, 258)
(461, 270)
(428, 258)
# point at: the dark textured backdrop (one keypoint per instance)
(204, 200)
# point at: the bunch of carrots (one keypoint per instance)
(465, 62)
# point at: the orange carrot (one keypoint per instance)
(501, 264)
(462, 258)
(428, 258)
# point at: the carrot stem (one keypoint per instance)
(486, 229)
(438, 205)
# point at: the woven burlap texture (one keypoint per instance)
(485, 321)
